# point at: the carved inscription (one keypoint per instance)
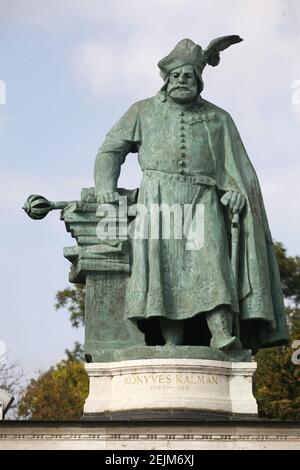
(170, 381)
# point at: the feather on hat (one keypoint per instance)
(186, 52)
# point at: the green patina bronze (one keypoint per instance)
(157, 296)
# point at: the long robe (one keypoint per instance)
(193, 155)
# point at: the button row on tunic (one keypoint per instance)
(181, 162)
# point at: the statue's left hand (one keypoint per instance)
(234, 201)
(111, 197)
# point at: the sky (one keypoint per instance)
(70, 69)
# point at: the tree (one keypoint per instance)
(278, 378)
(289, 267)
(73, 299)
(58, 393)
(11, 376)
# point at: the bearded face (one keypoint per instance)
(183, 86)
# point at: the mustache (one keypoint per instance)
(180, 87)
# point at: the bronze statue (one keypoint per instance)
(159, 296)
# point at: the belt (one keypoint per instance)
(193, 179)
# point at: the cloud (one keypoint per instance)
(281, 195)
(3, 120)
(106, 69)
(146, 31)
(121, 42)
(48, 14)
(254, 78)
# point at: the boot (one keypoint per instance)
(220, 323)
(172, 331)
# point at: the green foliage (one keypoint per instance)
(57, 394)
(278, 379)
(77, 354)
(289, 273)
(73, 299)
(11, 376)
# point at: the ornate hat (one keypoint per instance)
(186, 52)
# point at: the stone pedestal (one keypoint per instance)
(170, 387)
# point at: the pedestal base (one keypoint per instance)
(149, 436)
(174, 386)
